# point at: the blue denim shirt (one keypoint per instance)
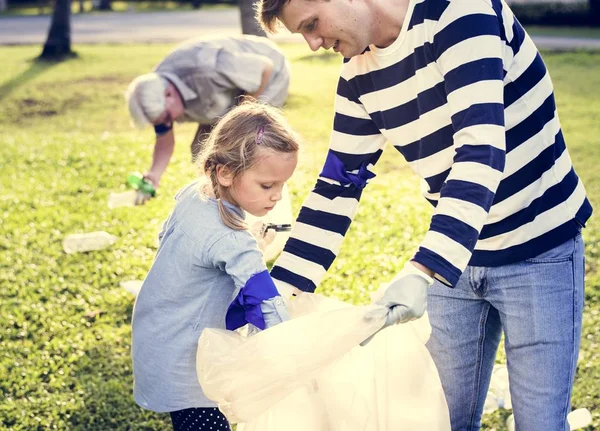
(200, 266)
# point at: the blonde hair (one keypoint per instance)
(145, 97)
(234, 143)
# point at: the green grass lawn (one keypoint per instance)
(66, 143)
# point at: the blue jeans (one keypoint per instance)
(538, 303)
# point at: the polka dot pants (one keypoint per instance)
(200, 419)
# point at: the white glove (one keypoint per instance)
(405, 297)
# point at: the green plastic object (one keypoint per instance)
(136, 181)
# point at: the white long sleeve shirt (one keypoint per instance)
(464, 95)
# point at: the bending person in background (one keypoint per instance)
(200, 81)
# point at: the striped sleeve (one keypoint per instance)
(468, 49)
(355, 145)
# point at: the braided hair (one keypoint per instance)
(234, 144)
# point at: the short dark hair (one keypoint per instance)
(268, 12)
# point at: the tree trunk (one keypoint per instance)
(81, 6)
(249, 23)
(3, 5)
(58, 44)
(595, 12)
(104, 5)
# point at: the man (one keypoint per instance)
(461, 91)
(199, 82)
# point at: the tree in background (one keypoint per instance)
(58, 43)
(3, 5)
(249, 23)
(595, 12)
(102, 5)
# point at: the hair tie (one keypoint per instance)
(260, 133)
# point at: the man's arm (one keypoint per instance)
(468, 50)
(355, 146)
(163, 150)
(264, 79)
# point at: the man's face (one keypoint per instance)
(173, 107)
(337, 24)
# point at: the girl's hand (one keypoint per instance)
(274, 311)
(262, 238)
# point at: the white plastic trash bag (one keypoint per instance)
(311, 374)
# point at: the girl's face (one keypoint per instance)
(258, 189)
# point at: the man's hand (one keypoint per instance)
(405, 297)
(153, 178)
(141, 198)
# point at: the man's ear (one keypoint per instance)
(224, 176)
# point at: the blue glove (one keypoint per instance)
(258, 303)
(274, 311)
(405, 297)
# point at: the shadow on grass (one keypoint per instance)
(36, 68)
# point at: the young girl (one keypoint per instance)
(209, 271)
